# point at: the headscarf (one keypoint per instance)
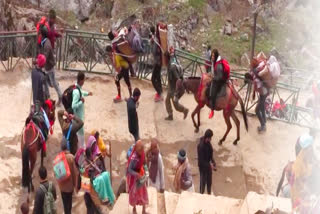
(153, 163)
(92, 144)
(101, 145)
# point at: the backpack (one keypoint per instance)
(67, 98)
(43, 22)
(61, 167)
(49, 206)
(226, 68)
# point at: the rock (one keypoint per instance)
(259, 29)
(123, 157)
(205, 22)
(228, 180)
(214, 4)
(85, 8)
(244, 37)
(104, 8)
(202, 30)
(245, 61)
(227, 29)
(235, 30)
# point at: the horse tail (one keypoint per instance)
(243, 110)
(25, 167)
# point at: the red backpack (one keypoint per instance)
(226, 68)
(43, 22)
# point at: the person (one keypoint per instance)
(24, 208)
(174, 74)
(112, 35)
(47, 50)
(46, 187)
(218, 80)
(74, 124)
(78, 105)
(156, 73)
(122, 68)
(133, 121)
(53, 34)
(206, 162)
(183, 178)
(38, 79)
(155, 166)
(208, 59)
(263, 90)
(137, 172)
(67, 186)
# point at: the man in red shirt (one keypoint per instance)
(52, 34)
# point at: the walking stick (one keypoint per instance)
(110, 161)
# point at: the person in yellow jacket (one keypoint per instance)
(122, 67)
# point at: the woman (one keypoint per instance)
(137, 175)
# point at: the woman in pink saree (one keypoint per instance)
(137, 175)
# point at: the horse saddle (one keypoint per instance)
(36, 115)
(204, 85)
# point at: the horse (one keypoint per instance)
(31, 143)
(226, 103)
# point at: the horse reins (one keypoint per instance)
(35, 139)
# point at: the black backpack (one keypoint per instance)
(67, 98)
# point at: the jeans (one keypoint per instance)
(52, 82)
(67, 201)
(156, 79)
(261, 109)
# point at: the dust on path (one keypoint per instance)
(255, 164)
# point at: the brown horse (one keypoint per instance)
(31, 143)
(226, 103)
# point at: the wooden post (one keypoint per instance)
(254, 30)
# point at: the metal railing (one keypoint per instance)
(85, 51)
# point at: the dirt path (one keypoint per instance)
(255, 164)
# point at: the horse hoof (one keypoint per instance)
(235, 143)
(220, 143)
(196, 130)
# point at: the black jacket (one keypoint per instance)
(38, 79)
(133, 121)
(173, 74)
(39, 198)
(205, 155)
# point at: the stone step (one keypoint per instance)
(255, 202)
(171, 200)
(122, 204)
(190, 203)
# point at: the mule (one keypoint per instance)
(31, 143)
(225, 103)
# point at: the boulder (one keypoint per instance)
(205, 22)
(227, 28)
(244, 37)
(104, 8)
(85, 8)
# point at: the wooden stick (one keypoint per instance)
(110, 161)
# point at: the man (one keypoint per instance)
(219, 79)
(38, 78)
(67, 186)
(53, 35)
(74, 124)
(156, 73)
(78, 105)
(47, 50)
(136, 178)
(155, 166)
(45, 186)
(206, 161)
(173, 75)
(183, 178)
(122, 68)
(208, 59)
(133, 121)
